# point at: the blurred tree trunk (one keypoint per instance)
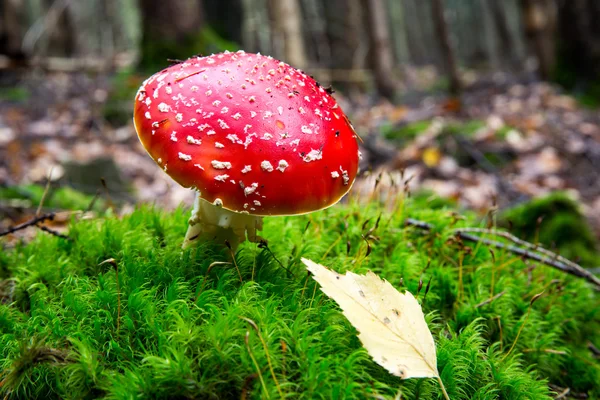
(345, 31)
(505, 41)
(382, 55)
(539, 22)
(443, 34)
(226, 17)
(579, 34)
(11, 28)
(170, 29)
(288, 40)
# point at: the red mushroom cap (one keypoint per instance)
(251, 133)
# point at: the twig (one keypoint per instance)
(514, 239)
(488, 301)
(531, 252)
(31, 222)
(264, 245)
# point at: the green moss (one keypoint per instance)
(156, 51)
(16, 94)
(162, 323)
(562, 226)
(405, 133)
(63, 198)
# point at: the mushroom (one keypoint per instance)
(252, 135)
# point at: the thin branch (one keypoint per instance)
(488, 301)
(531, 252)
(31, 222)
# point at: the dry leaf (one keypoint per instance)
(431, 156)
(391, 324)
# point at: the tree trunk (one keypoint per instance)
(11, 28)
(382, 55)
(579, 33)
(345, 34)
(505, 40)
(287, 32)
(443, 34)
(539, 22)
(170, 29)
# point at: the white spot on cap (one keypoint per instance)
(218, 202)
(169, 90)
(220, 164)
(236, 116)
(250, 189)
(184, 157)
(208, 92)
(222, 124)
(191, 140)
(313, 155)
(179, 117)
(335, 174)
(163, 107)
(257, 203)
(267, 136)
(216, 103)
(211, 132)
(345, 176)
(233, 137)
(306, 129)
(174, 136)
(266, 166)
(219, 145)
(247, 168)
(252, 114)
(147, 115)
(282, 165)
(221, 178)
(199, 166)
(280, 110)
(224, 110)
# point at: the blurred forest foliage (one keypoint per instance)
(352, 43)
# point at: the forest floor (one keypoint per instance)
(503, 143)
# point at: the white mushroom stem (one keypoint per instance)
(214, 223)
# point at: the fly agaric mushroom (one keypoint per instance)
(252, 135)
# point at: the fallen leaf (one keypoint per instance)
(391, 325)
(431, 156)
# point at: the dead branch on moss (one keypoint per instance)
(31, 222)
(527, 250)
(36, 221)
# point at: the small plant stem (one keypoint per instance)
(265, 347)
(443, 388)
(500, 332)
(332, 246)
(518, 334)
(118, 297)
(533, 299)
(262, 381)
(46, 189)
(461, 288)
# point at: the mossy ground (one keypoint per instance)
(160, 323)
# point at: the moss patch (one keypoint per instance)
(160, 323)
(556, 222)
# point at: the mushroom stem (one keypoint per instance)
(215, 223)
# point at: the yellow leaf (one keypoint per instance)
(432, 156)
(391, 325)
